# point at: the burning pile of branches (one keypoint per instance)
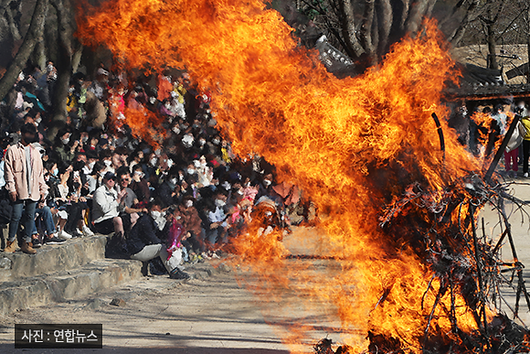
(442, 229)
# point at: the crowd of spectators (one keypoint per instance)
(180, 197)
(482, 126)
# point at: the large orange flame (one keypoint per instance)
(351, 144)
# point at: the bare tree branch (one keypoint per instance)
(15, 33)
(457, 7)
(458, 33)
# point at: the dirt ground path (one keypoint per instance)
(520, 226)
(210, 314)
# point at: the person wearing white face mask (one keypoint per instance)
(216, 232)
(204, 172)
(153, 160)
(191, 170)
(107, 204)
(91, 162)
(144, 242)
(139, 185)
(169, 191)
(191, 223)
(95, 177)
(63, 146)
(265, 187)
(187, 141)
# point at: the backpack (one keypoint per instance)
(517, 137)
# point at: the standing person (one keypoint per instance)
(511, 152)
(24, 175)
(525, 119)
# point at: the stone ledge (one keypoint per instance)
(49, 259)
(66, 285)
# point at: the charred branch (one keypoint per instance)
(440, 132)
(500, 151)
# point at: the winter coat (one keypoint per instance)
(16, 176)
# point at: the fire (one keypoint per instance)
(354, 145)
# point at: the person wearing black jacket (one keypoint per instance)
(144, 242)
(168, 192)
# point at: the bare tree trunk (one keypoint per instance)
(492, 46)
(64, 65)
(430, 7)
(528, 43)
(353, 47)
(528, 53)
(401, 8)
(366, 31)
(76, 59)
(384, 21)
(32, 37)
(490, 34)
(39, 55)
(417, 11)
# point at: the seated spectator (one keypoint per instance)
(44, 222)
(130, 211)
(168, 193)
(62, 200)
(144, 244)
(217, 220)
(265, 187)
(64, 148)
(137, 158)
(106, 207)
(187, 215)
(139, 186)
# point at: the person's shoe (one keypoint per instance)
(525, 174)
(179, 275)
(35, 242)
(64, 235)
(53, 240)
(87, 231)
(11, 246)
(26, 247)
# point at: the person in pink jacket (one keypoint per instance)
(26, 186)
